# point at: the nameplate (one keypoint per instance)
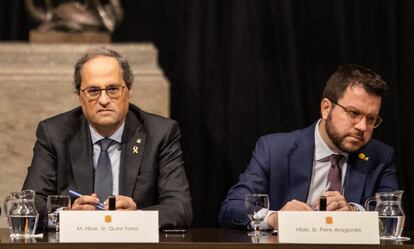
(109, 226)
(328, 227)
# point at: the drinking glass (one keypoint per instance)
(55, 204)
(257, 206)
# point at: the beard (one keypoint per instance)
(339, 140)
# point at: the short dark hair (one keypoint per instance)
(350, 75)
(127, 74)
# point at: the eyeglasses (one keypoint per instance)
(355, 116)
(93, 92)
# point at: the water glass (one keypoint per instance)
(55, 204)
(257, 207)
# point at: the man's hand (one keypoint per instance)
(122, 203)
(336, 202)
(85, 202)
(293, 205)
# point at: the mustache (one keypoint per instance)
(357, 134)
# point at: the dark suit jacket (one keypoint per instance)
(281, 166)
(154, 177)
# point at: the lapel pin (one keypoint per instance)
(362, 156)
(139, 140)
(135, 149)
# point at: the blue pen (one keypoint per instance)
(76, 194)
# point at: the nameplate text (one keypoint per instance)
(328, 227)
(109, 226)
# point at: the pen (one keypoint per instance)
(76, 194)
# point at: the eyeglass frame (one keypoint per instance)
(103, 89)
(378, 119)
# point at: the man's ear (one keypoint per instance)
(326, 107)
(129, 93)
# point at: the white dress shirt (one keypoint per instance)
(321, 166)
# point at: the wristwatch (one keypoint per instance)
(352, 207)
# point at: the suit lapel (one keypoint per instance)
(301, 164)
(356, 174)
(80, 151)
(132, 151)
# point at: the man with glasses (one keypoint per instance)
(335, 156)
(108, 146)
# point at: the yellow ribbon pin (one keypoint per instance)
(362, 156)
(135, 149)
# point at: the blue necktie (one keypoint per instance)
(103, 171)
(334, 175)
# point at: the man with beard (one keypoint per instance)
(335, 156)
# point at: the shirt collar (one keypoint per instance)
(117, 136)
(322, 151)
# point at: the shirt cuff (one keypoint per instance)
(263, 224)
